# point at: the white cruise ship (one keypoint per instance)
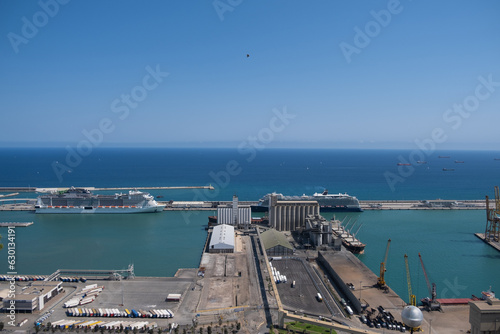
(80, 200)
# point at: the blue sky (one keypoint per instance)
(69, 75)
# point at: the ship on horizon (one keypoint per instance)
(327, 202)
(81, 200)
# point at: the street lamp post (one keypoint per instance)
(360, 291)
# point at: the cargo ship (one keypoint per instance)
(327, 202)
(81, 200)
(349, 240)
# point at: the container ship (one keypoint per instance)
(81, 200)
(327, 202)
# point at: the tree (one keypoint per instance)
(209, 329)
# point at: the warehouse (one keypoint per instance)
(34, 297)
(222, 239)
(275, 243)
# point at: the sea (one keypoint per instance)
(455, 260)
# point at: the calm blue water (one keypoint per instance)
(158, 244)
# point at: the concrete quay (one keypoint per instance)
(421, 205)
(453, 319)
(494, 244)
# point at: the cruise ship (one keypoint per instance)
(81, 200)
(327, 202)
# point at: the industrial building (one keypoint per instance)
(234, 213)
(321, 233)
(275, 243)
(290, 215)
(484, 316)
(34, 297)
(222, 239)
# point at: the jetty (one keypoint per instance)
(56, 189)
(15, 224)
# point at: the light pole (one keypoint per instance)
(360, 291)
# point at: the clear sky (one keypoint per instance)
(340, 74)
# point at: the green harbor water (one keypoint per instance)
(158, 244)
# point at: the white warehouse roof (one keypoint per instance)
(222, 237)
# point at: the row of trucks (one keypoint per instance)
(278, 278)
(110, 325)
(114, 312)
(73, 279)
(21, 278)
(88, 294)
(384, 319)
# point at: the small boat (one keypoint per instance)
(402, 164)
(443, 157)
(421, 162)
(487, 294)
(448, 169)
(459, 162)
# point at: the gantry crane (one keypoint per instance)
(381, 278)
(431, 303)
(413, 298)
(492, 232)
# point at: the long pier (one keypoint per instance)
(15, 224)
(212, 205)
(55, 189)
(423, 205)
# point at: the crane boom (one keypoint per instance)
(413, 298)
(432, 303)
(381, 278)
(425, 274)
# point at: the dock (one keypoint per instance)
(494, 244)
(423, 204)
(55, 189)
(15, 224)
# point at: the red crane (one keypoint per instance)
(431, 303)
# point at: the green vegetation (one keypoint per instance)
(300, 327)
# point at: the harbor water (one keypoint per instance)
(159, 244)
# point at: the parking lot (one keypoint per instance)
(139, 293)
(302, 298)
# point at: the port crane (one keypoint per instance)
(413, 298)
(492, 232)
(431, 303)
(381, 278)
